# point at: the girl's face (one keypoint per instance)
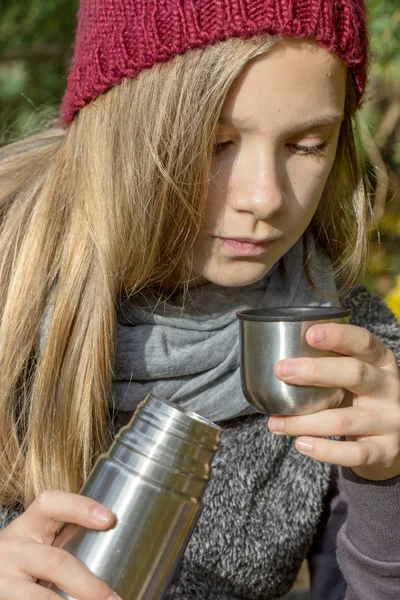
(276, 143)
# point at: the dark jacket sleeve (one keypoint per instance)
(368, 543)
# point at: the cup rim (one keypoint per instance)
(293, 313)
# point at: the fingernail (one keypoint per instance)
(113, 597)
(101, 514)
(305, 447)
(276, 424)
(287, 367)
(319, 334)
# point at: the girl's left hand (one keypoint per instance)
(369, 415)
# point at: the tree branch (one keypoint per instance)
(50, 51)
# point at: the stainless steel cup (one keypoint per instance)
(268, 335)
(153, 478)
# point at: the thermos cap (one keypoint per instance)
(293, 313)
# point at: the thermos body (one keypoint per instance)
(153, 478)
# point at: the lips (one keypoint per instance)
(249, 240)
(245, 246)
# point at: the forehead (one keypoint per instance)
(296, 77)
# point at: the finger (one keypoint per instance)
(363, 453)
(353, 341)
(58, 566)
(343, 372)
(51, 508)
(361, 420)
(18, 589)
(366, 419)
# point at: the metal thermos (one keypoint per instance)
(152, 478)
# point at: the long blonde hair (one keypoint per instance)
(110, 206)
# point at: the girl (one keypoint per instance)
(206, 163)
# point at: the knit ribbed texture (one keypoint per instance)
(119, 38)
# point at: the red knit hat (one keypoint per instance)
(118, 38)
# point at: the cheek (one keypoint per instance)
(215, 203)
(308, 183)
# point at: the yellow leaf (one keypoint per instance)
(392, 299)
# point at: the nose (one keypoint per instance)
(259, 188)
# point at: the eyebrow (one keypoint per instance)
(298, 127)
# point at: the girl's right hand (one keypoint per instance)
(26, 554)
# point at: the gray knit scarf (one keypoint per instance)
(190, 354)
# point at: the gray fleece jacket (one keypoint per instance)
(265, 511)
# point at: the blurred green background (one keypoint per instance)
(36, 40)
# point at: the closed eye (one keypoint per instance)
(320, 150)
(221, 146)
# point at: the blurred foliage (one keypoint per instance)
(36, 41)
(380, 120)
(384, 23)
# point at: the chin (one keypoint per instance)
(236, 276)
